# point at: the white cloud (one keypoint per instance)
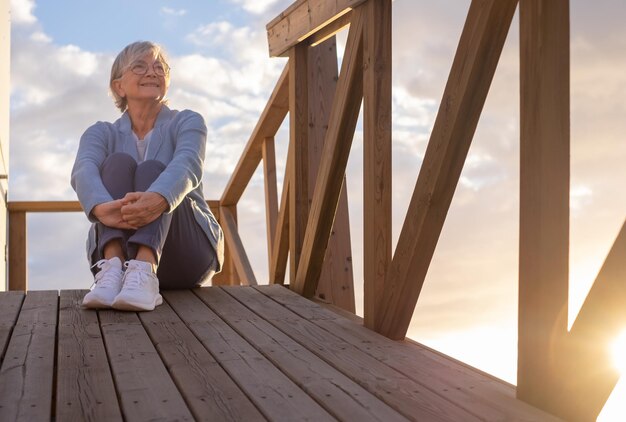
(173, 12)
(22, 12)
(256, 7)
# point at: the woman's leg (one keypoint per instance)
(146, 243)
(118, 175)
(188, 258)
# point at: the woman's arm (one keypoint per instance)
(184, 172)
(85, 178)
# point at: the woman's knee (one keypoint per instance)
(146, 173)
(118, 174)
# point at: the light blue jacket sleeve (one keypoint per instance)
(85, 178)
(184, 172)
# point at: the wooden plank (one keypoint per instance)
(406, 396)
(237, 250)
(376, 154)
(144, 386)
(472, 70)
(303, 19)
(275, 395)
(27, 373)
(299, 144)
(480, 394)
(343, 118)
(271, 118)
(591, 374)
(329, 31)
(544, 201)
(10, 304)
(18, 269)
(336, 282)
(84, 384)
(63, 206)
(271, 192)
(339, 395)
(208, 390)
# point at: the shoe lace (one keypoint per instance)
(135, 277)
(106, 277)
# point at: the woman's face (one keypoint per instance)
(145, 79)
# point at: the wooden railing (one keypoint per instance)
(566, 373)
(18, 244)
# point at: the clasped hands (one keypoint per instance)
(134, 210)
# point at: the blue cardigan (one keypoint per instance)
(178, 140)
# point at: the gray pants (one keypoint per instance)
(185, 255)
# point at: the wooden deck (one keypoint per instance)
(227, 353)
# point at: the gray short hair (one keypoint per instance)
(128, 55)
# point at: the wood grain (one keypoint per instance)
(474, 65)
(337, 143)
(144, 387)
(84, 383)
(299, 145)
(336, 281)
(10, 304)
(208, 390)
(27, 372)
(376, 154)
(544, 201)
(274, 394)
(338, 394)
(406, 396)
(303, 19)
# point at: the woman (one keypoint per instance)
(139, 180)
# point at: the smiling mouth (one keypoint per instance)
(150, 85)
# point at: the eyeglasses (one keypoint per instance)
(141, 68)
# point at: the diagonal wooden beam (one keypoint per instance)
(343, 117)
(271, 118)
(336, 281)
(238, 252)
(473, 68)
(590, 374)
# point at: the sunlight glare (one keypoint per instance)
(618, 351)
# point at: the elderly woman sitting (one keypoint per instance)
(139, 180)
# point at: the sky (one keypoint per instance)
(61, 57)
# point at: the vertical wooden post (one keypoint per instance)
(336, 282)
(228, 276)
(544, 199)
(17, 251)
(343, 118)
(377, 153)
(298, 138)
(271, 192)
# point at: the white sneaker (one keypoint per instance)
(140, 290)
(107, 284)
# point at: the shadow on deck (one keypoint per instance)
(227, 353)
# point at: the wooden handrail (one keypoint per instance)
(303, 19)
(267, 126)
(18, 244)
